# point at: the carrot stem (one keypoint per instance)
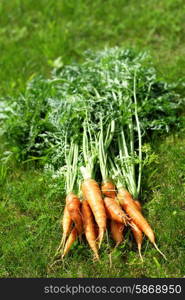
(139, 137)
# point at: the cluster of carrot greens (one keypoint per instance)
(93, 121)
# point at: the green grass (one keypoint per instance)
(32, 35)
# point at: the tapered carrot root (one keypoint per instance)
(117, 235)
(108, 189)
(66, 227)
(117, 231)
(73, 206)
(129, 206)
(138, 237)
(72, 237)
(89, 227)
(138, 205)
(114, 211)
(137, 232)
(92, 193)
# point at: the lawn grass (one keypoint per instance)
(32, 35)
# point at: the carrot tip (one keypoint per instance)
(80, 238)
(117, 244)
(100, 237)
(96, 257)
(100, 241)
(159, 251)
(140, 255)
(61, 245)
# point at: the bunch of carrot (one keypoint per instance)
(98, 207)
(104, 123)
(91, 123)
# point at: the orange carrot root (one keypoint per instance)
(117, 232)
(91, 215)
(74, 206)
(72, 237)
(101, 236)
(89, 227)
(66, 227)
(108, 189)
(92, 193)
(138, 205)
(129, 206)
(138, 236)
(117, 235)
(114, 211)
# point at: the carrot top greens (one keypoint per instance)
(108, 106)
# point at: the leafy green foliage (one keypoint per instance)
(102, 86)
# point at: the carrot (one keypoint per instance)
(71, 238)
(117, 235)
(138, 237)
(114, 211)
(96, 231)
(92, 193)
(117, 231)
(108, 189)
(73, 206)
(138, 205)
(66, 227)
(137, 232)
(129, 206)
(89, 227)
